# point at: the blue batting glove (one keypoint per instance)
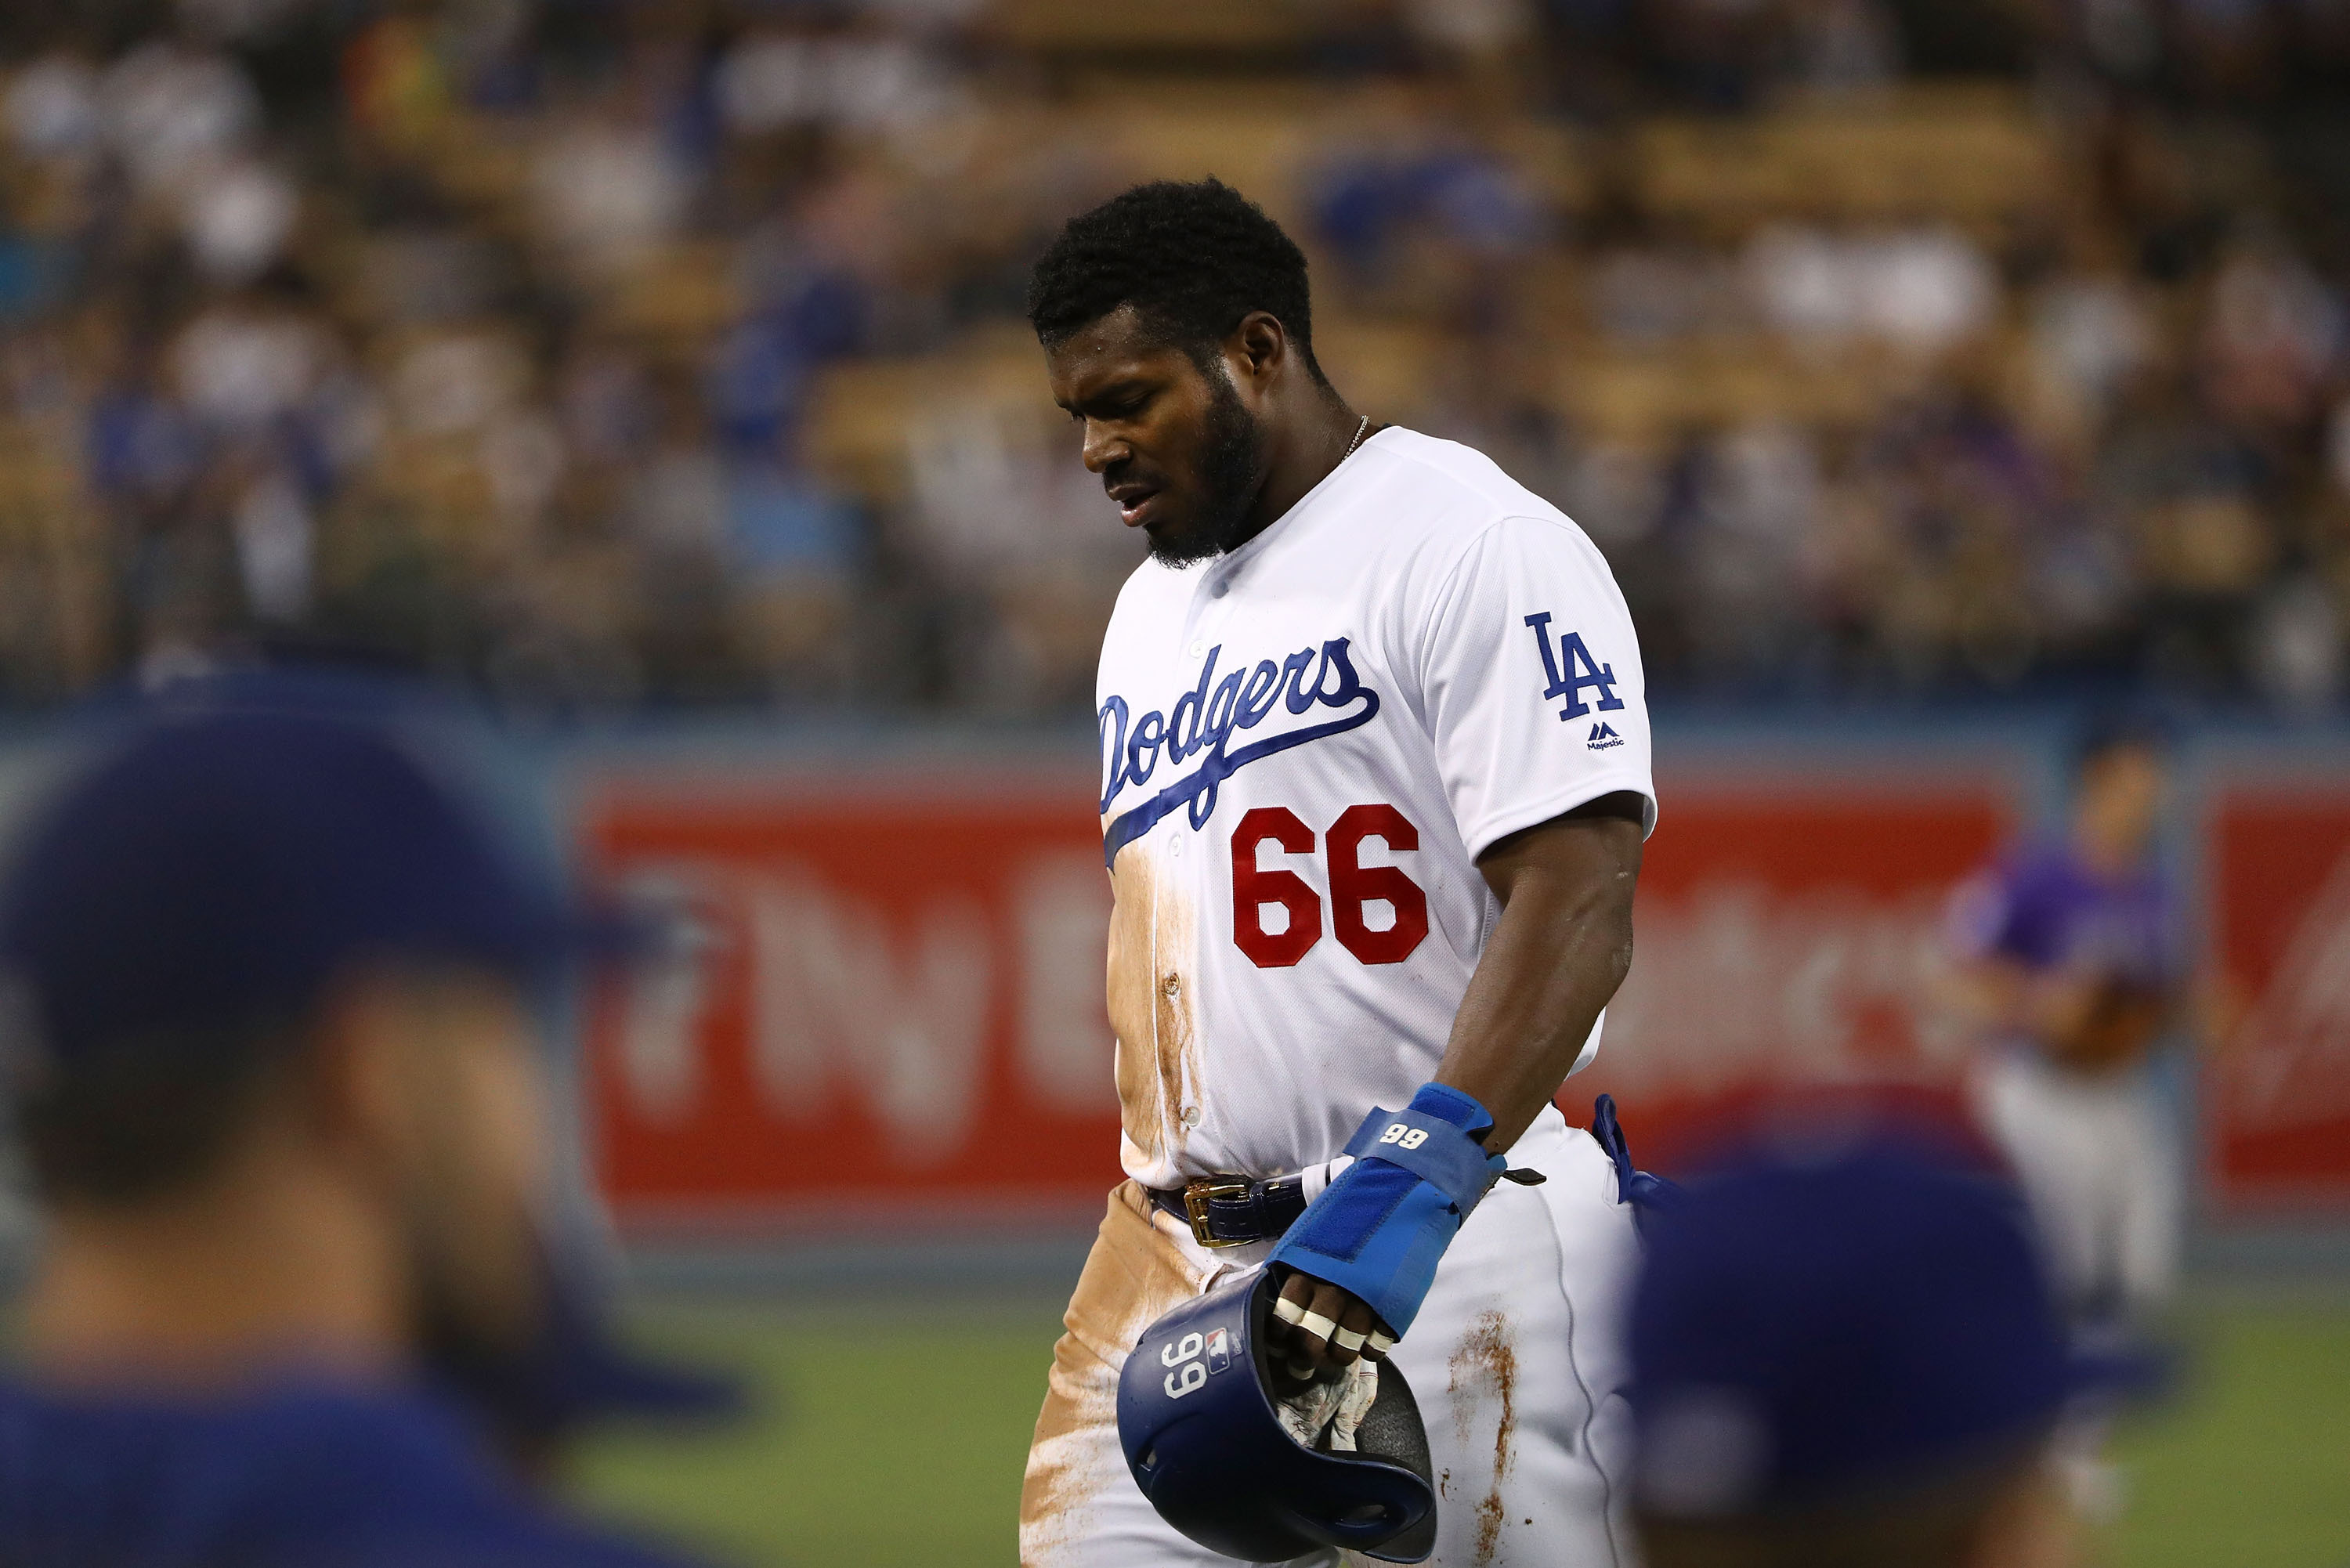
(1379, 1230)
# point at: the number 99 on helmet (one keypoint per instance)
(1196, 1417)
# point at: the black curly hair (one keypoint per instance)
(1192, 257)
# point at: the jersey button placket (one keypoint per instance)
(1207, 620)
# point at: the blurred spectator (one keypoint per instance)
(2089, 334)
(771, 81)
(1843, 47)
(1923, 290)
(387, 325)
(610, 194)
(167, 111)
(2273, 334)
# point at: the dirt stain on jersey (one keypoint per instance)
(1150, 945)
(1484, 1386)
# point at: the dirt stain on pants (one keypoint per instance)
(1134, 1276)
(1485, 1380)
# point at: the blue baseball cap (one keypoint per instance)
(1806, 1329)
(213, 870)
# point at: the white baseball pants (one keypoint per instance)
(2101, 1169)
(1516, 1359)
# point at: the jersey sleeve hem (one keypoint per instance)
(1482, 836)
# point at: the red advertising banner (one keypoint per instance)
(2277, 868)
(892, 1005)
(1789, 935)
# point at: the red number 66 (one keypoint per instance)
(1353, 887)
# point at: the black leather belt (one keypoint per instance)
(1233, 1210)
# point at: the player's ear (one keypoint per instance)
(356, 1071)
(1257, 350)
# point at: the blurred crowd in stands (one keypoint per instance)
(616, 353)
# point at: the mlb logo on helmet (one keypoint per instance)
(1219, 1350)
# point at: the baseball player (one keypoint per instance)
(1375, 783)
(2072, 966)
(1848, 1355)
(271, 1054)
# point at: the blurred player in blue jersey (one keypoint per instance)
(1846, 1353)
(270, 1050)
(2073, 969)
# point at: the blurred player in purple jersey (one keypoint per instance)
(2073, 969)
(2073, 966)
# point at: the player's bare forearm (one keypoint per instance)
(1559, 951)
(1562, 947)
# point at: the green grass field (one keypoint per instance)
(888, 1438)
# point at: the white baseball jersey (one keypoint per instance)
(1305, 744)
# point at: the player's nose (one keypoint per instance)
(1104, 448)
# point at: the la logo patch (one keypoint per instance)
(1572, 671)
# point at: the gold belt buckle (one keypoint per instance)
(1197, 1193)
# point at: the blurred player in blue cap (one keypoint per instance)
(1846, 1354)
(273, 1063)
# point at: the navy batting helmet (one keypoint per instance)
(1195, 1414)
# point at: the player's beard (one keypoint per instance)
(495, 1364)
(1231, 473)
(479, 1284)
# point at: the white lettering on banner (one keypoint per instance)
(659, 1044)
(1735, 982)
(838, 1000)
(1061, 904)
(832, 999)
(2287, 1064)
(832, 1002)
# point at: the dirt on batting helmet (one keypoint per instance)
(1196, 1416)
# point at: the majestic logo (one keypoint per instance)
(1603, 736)
(1204, 722)
(1572, 670)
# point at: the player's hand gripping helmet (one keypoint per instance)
(1195, 1415)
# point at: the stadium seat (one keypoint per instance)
(1641, 397)
(1968, 156)
(1087, 27)
(678, 298)
(861, 411)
